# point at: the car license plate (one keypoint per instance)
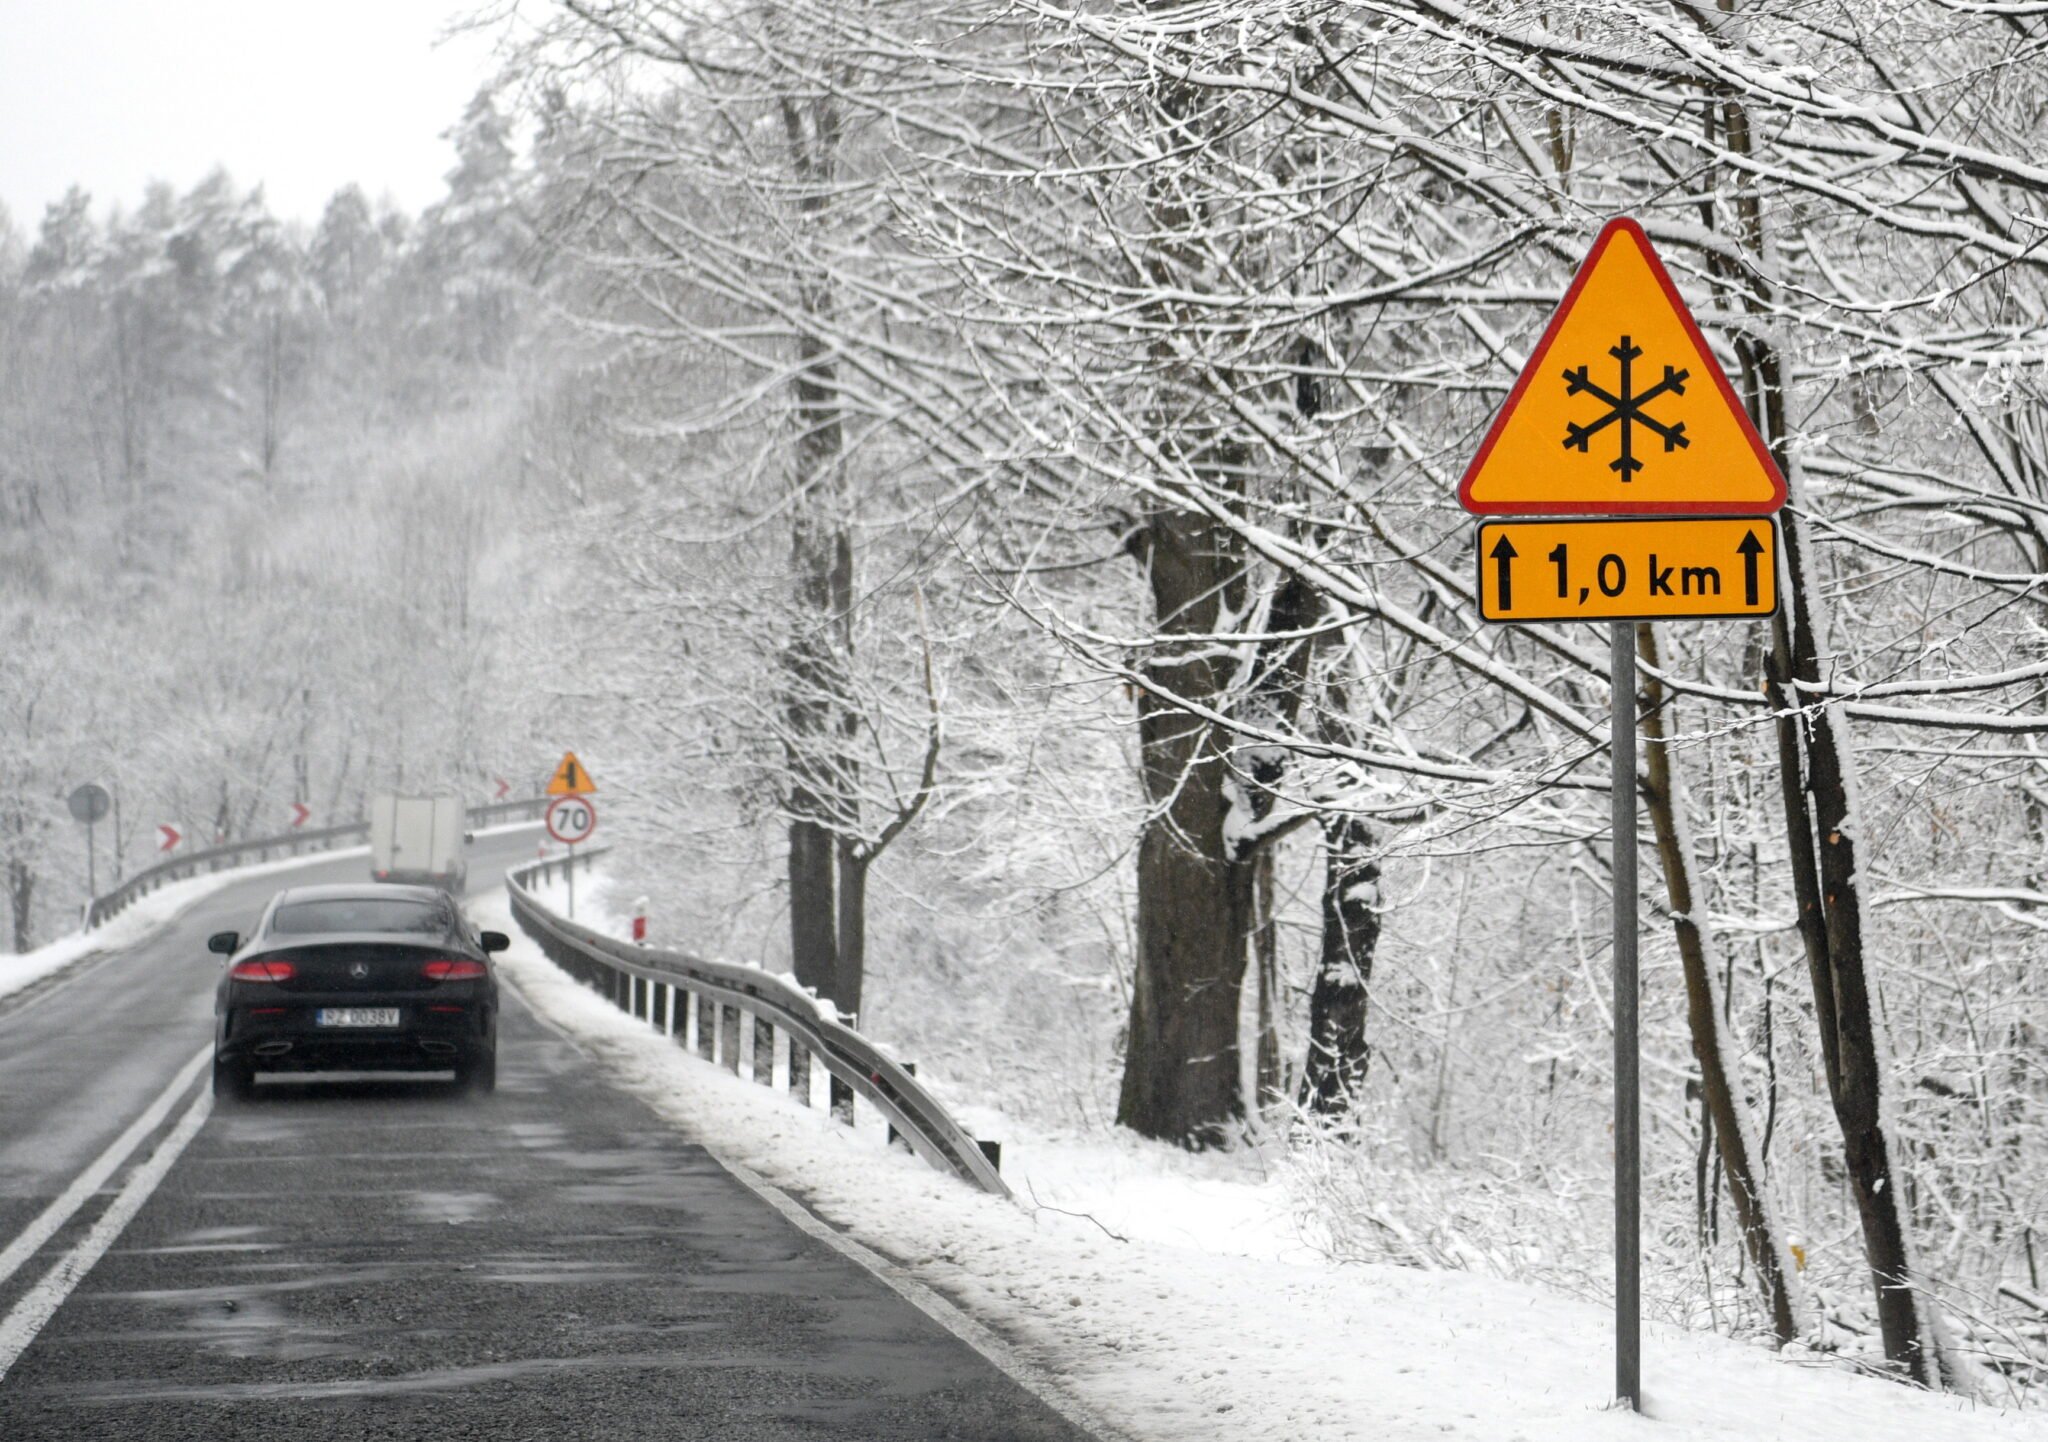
(357, 1016)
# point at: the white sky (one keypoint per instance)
(304, 96)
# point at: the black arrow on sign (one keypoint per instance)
(1750, 549)
(1503, 552)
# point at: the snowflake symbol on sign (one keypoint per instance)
(1625, 408)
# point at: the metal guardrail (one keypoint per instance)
(263, 848)
(717, 997)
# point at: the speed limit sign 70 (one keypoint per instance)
(571, 819)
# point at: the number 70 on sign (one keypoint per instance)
(1623, 570)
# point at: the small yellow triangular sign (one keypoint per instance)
(1622, 408)
(570, 779)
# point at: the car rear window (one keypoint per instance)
(361, 913)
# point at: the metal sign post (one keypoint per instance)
(89, 803)
(571, 819)
(1628, 1167)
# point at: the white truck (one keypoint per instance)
(418, 840)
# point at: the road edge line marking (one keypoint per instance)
(977, 1336)
(87, 1183)
(40, 1303)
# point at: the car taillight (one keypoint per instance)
(452, 970)
(262, 969)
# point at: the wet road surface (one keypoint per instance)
(382, 1260)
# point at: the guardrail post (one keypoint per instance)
(839, 1096)
(992, 1150)
(894, 1135)
(799, 1071)
(707, 1034)
(764, 1051)
(729, 1038)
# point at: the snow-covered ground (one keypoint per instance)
(1204, 1316)
(22, 969)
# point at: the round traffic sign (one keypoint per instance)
(571, 819)
(90, 803)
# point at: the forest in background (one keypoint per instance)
(256, 479)
(977, 484)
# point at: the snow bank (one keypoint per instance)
(1208, 1323)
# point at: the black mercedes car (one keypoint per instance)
(357, 978)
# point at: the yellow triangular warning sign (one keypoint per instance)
(1622, 409)
(570, 779)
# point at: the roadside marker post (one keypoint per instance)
(1622, 416)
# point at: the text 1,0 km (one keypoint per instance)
(1622, 570)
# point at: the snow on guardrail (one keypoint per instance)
(715, 996)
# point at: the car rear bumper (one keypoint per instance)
(424, 1040)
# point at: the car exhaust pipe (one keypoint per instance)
(439, 1048)
(272, 1048)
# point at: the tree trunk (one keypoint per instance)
(1337, 1051)
(853, 926)
(813, 943)
(21, 887)
(821, 557)
(1816, 785)
(1195, 901)
(1195, 909)
(1817, 779)
(1723, 1120)
(273, 392)
(1270, 1085)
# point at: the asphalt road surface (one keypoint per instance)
(387, 1260)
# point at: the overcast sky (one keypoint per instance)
(301, 95)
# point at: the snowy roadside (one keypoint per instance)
(25, 969)
(1207, 1323)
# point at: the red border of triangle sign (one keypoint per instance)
(1727, 469)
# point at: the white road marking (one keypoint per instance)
(89, 1181)
(40, 1302)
